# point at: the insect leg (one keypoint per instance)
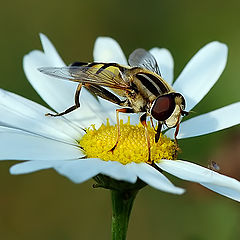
(104, 93)
(107, 95)
(143, 119)
(176, 132)
(123, 110)
(77, 104)
(157, 135)
(151, 119)
(178, 149)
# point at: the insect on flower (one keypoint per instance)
(138, 88)
(213, 166)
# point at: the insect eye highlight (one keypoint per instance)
(163, 107)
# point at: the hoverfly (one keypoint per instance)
(138, 88)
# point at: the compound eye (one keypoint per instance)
(163, 107)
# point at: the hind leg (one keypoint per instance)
(77, 104)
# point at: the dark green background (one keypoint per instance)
(47, 206)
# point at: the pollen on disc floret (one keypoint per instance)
(132, 145)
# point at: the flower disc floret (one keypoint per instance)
(132, 145)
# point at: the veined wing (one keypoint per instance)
(144, 59)
(89, 75)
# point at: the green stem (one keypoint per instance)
(122, 202)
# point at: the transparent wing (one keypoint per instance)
(89, 75)
(144, 59)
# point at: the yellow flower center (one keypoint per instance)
(132, 145)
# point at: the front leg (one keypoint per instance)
(158, 130)
(177, 149)
(157, 135)
(177, 130)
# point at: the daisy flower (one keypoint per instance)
(76, 145)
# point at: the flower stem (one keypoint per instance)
(122, 202)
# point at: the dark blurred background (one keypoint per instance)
(45, 205)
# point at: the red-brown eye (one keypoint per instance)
(163, 107)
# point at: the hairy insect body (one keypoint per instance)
(136, 101)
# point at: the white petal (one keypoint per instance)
(119, 171)
(228, 191)
(219, 119)
(154, 178)
(109, 110)
(90, 111)
(50, 51)
(20, 145)
(22, 113)
(84, 169)
(31, 166)
(81, 170)
(222, 184)
(201, 73)
(106, 49)
(165, 63)
(57, 93)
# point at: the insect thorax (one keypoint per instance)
(145, 88)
